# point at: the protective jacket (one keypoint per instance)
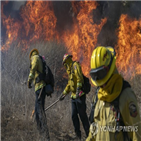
(75, 79)
(104, 119)
(35, 69)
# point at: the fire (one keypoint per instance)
(12, 28)
(39, 20)
(82, 39)
(12, 32)
(39, 23)
(129, 46)
(32, 114)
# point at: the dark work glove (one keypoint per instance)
(29, 85)
(62, 97)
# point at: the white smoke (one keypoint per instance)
(17, 4)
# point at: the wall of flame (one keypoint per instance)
(38, 22)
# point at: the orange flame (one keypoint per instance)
(129, 46)
(39, 19)
(12, 32)
(82, 38)
(32, 114)
(39, 23)
(12, 28)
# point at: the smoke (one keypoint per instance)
(17, 4)
(62, 11)
(113, 10)
(133, 9)
(12, 8)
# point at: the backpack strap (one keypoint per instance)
(118, 116)
(41, 76)
(72, 70)
(43, 63)
(93, 104)
(116, 101)
(96, 94)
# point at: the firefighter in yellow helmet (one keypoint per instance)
(36, 68)
(116, 114)
(78, 97)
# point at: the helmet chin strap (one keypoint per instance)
(102, 86)
(96, 78)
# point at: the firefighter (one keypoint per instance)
(36, 67)
(78, 97)
(116, 114)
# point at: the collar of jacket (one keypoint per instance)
(112, 89)
(69, 62)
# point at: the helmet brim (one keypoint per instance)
(32, 51)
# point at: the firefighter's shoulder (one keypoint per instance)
(76, 65)
(128, 102)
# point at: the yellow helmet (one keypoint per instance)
(102, 65)
(32, 52)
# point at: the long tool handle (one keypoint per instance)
(52, 104)
(40, 92)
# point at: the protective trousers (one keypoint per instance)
(40, 115)
(79, 107)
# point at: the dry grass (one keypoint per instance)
(17, 100)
